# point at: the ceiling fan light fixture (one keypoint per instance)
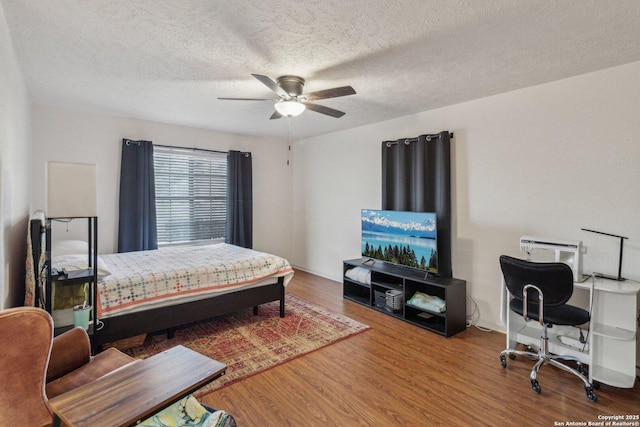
(289, 108)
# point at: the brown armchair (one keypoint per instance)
(35, 367)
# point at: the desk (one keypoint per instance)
(136, 391)
(610, 351)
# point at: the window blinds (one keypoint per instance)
(190, 195)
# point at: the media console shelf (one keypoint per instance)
(405, 282)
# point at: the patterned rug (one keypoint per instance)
(251, 344)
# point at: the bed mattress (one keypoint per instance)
(136, 281)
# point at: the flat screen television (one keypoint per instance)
(399, 237)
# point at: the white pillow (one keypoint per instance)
(68, 247)
(73, 262)
(359, 274)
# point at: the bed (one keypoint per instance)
(142, 292)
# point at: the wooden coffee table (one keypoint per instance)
(135, 392)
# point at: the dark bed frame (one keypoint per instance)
(169, 317)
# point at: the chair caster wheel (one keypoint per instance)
(512, 356)
(595, 385)
(503, 361)
(590, 394)
(535, 386)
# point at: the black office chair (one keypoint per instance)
(540, 291)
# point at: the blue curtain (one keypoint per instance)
(137, 229)
(416, 176)
(239, 199)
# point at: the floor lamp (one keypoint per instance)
(71, 194)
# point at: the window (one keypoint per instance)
(191, 193)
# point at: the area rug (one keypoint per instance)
(250, 344)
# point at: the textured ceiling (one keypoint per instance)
(169, 61)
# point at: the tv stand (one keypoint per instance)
(404, 282)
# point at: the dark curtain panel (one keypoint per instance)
(137, 228)
(239, 199)
(416, 176)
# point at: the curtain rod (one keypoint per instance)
(408, 141)
(190, 149)
(130, 141)
(246, 153)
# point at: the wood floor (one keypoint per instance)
(396, 374)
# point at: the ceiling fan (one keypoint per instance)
(292, 101)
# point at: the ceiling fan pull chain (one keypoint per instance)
(288, 140)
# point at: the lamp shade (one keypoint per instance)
(290, 108)
(71, 190)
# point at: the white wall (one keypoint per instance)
(15, 171)
(86, 137)
(543, 161)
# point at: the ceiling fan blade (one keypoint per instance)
(330, 93)
(246, 99)
(324, 110)
(275, 115)
(271, 85)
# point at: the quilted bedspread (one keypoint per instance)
(144, 278)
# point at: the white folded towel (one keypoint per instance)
(428, 302)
